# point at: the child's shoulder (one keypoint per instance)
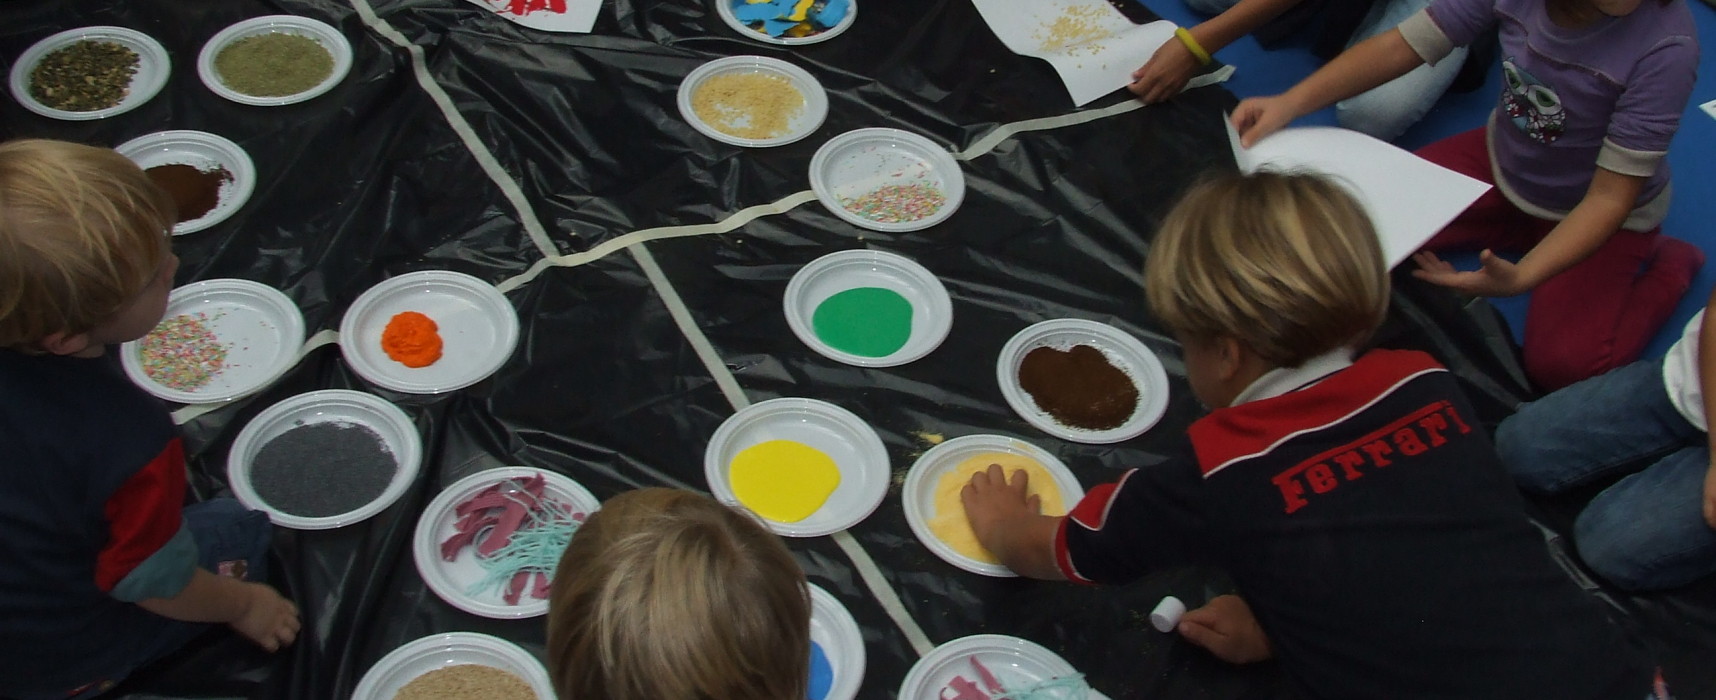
(50, 396)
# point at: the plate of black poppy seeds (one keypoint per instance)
(325, 459)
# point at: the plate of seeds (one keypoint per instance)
(456, 665)
(753, 101)
(219, 340)
(90, 73)
(209, 177)
(274, 60)
(324, 459)
(887, 179)
(1082, 381)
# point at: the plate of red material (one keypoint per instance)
(477, 326)
(987, 666)
(570, 16)
(477, 516)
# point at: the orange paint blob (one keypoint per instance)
(412, 339)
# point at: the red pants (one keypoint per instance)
(1590, 318)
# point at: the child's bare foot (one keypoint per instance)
(269, 619)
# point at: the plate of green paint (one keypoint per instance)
(868, 308)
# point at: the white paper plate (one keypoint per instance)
(855, 163)
(478, 328)
(153, 67)
(1015, 662)
(1122, 350)
(809, 118)
(579, 17)
(331, 39)
(932, 310)
(918, 493)
(450, 579)
(833, 629)
(327, 406)
(724, 8)
(844, 437)
(438, 651)
(261, 328)
(203, 151)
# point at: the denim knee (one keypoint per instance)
(228, 533)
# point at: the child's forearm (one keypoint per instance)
(1366, 65)
(1027, 546)
(1606, 205)
(207, 598)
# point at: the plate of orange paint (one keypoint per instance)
(476, 326)
(805, 467)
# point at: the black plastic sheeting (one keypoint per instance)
(371, 181)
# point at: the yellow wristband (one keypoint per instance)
(1192, 45)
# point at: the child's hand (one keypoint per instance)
(1257, 117)
(1496, 278)
(1166, 73)
(1709, 496)
(1226, 627)
(990, 501)
(269, 619)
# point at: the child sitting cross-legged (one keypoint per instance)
(1363, 515)
(103, 568)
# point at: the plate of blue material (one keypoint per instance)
(838, 670)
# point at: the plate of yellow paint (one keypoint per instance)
(931, 493)
(806, 467)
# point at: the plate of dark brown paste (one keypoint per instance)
(456, 665)
(1082, 381)
(274, 60)
(90, 73)
(209, 176)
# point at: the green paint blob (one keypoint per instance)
(865, 321)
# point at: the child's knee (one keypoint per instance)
(232, 540)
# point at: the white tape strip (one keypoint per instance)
(688, 326)
(890, 601)
(190, 412)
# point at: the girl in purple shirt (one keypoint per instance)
(1593, 92)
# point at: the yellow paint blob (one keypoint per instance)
(783, 480)
(949, 523)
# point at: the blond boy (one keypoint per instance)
(670, 595)
(102, 567)
(1361, 512)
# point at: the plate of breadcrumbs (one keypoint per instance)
(456, 665)
(753, 101)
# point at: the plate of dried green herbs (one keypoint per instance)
(90, 73)
(274, 60)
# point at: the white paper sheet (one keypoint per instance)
(579, 17)
(1408, 198)
(1090, 44)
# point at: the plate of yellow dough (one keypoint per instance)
(932, 487)
(806, 467)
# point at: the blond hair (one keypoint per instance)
(82, 231)
(669, 595)
(1287, 264)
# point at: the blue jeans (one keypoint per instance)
(231, 540)
(1387, 110)
(1647, 531)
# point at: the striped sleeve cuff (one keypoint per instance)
(1425, 38)
(1626, 161)
(164, 574)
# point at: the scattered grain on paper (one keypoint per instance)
(1078, 29)
(466, 682)
(747, 105)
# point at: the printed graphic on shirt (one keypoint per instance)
(1532, 106)
(1419, 432)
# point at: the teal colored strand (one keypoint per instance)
(1064, 688)
(535, 547)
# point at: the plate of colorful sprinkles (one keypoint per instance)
(806, 467)
(428, 332)
(991, 667)
(456, 665)
(1082, 381)
(753, 101)
(219, 340)
(868, 308)
(324, 459)
(488, 544)
(887, 179)
(208, 176)
(837, 649)
(788, 22)
(90, 73)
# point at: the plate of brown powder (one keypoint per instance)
(454, 666)
(752, 101)
(209, 176)
(1082, 381)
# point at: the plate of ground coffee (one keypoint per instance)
(220, 339)
(456, 665)
(752, 101)
(274, 60)
(209, 176)
(90, 73)
(1082, 381)
(324, 459)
